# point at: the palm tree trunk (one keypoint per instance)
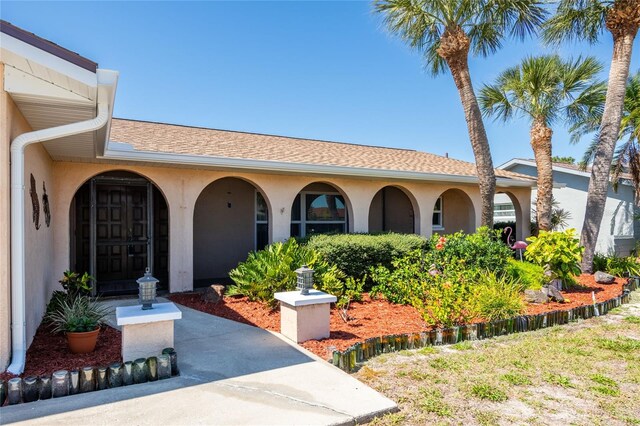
(607, 138)
(541, 144)
(454, 49)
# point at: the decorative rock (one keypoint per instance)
(60, 383)
(87, 380)
(604, 278)
(45, 387)
(74, 382)
(101, 378)
(554, 294)
(139, 371)
(127, 373)
(213, 293)
(164, 366)
(3, 392)
(152, 368)
(536, 296)
(14, 390)
(30, 391)
(114, 375)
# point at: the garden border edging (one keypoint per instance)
(348, 359)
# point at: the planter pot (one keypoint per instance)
(82, 343)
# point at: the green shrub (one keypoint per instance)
(404, 281)
(497, 298)
(482, 250)
(78, 315)
(531, 276)
(355, 254)
(445, 301)
(618, 266)
(271, 270)
(559, 252)
(74, 285)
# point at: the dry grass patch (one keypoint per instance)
(583, 373)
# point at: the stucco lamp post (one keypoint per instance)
(305, 279)
(147, 290)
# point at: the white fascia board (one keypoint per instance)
(19, 82)
(124, 153)
(46, 59)
(107, 86)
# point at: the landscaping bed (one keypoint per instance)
(374, 318)
(49, 352)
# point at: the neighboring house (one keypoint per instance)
(112, 196)
(620, 229)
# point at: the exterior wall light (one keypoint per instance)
(147, 290)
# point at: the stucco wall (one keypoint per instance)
(617, 227)
(224, 223)
(457, 201)
(40, 277)
(182, 187)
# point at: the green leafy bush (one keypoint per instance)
(531, 276)
(618, 266)
(354, 254)
(445, 301)
(74, 285)
(78, 315)
(271, 270)
(482, 250)
(404, 281)
(559, 252)
(497, 297)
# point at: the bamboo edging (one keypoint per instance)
(348, 359)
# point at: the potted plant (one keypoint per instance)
(80, 319)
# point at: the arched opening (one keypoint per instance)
(508, 213)
(119, 226)
(453, 211)
(319, 208)
(391, 210)
(230, 219)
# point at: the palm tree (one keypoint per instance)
(544, 89)
(444, 31)
(586, 20)
(627, 156)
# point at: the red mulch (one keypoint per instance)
(373, 318)
(49, 352)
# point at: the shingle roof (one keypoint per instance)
(177, 139)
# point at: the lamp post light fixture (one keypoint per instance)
(147, 290)
(305, 279)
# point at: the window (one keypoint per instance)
(262, 222)
(437, 215)
(318, 213)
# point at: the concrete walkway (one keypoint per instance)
(231, 374)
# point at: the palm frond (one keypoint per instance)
(576, 20)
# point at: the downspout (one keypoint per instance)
(18, 145)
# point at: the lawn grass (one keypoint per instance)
(584, 373)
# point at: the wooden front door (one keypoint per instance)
(121, 237)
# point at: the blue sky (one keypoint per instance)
(325, 70)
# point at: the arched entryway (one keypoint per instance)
(230, 219)
(319, 208)
(453, 212)
(120, 226)
(391, 210)
(508, 212)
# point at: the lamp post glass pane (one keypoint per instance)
(304, 279)
(147, 290)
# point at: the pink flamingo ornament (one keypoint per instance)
(518, 245)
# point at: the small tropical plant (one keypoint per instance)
(529, 275)
(346, 292)
(74, 285)
(445, 301)
(498, 297)
(78, 315)
(618, 266)
(558, 252)
(272, 270)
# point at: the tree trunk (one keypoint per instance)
(454, 49)
(623, 36)
(541, 144)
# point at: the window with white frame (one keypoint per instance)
(437, 215)
(318, 213)
(262, 222)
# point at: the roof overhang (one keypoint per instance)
(51, 91)
(125, 152)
